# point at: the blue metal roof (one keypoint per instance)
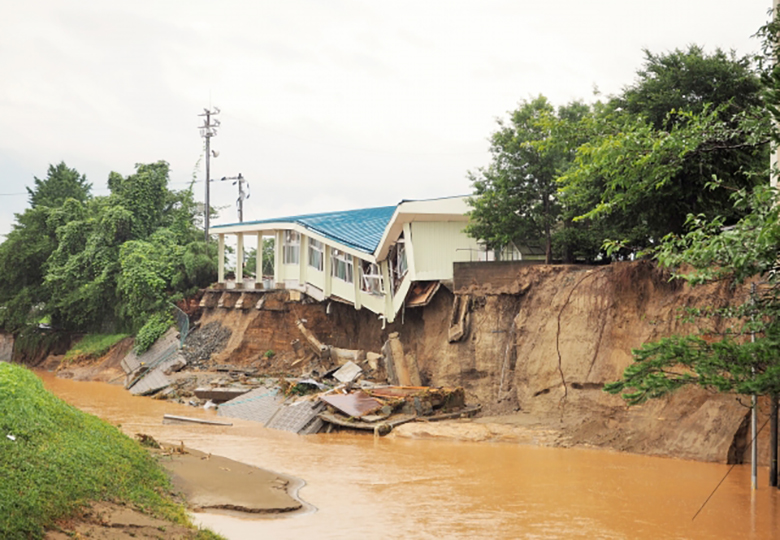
(359, 229)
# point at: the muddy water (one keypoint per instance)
(382, 488)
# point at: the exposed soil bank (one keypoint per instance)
(110, 521)
(535, 355)
(536, 352)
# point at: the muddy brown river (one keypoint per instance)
(362, 487)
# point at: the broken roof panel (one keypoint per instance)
(355, 404)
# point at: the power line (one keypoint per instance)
(242, 195)
(725, 475)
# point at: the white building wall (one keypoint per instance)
(437, 245)
(342, 289)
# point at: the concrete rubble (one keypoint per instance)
(337, 388)
(341, 388)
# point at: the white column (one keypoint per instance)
(303, 261)
(409, 249)
(388, 282)
(239, 260)
(221, 259)
(259, 263)
(356, 278)
(278, 257)
(328, 278)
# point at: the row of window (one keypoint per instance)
(341, 267)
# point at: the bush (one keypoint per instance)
(150, 332)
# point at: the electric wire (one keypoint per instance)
(727, 473)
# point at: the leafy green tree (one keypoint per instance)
(23, 257)
(721, 356)
(148, 269)
(737, 347)
(654, 150)
(112, 262)
(27, 248)
(691, 80)
(81, 273)
(61, 183)
(515, 197)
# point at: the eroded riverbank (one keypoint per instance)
(376, 488)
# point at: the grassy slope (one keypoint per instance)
(63, 458)
(94, 345)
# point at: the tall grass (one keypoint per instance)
(94, 345)
(62, 458)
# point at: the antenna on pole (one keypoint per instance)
(207, 131)
(242, 195)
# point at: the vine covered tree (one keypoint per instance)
(98, 263)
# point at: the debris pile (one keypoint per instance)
(337, 388)
(203, 342)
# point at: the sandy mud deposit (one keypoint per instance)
(210, 483)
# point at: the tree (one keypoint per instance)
(27, 248)
(23, 257)
(654, 150)
(743, 356)
(61, 183)
(726, 360)
(691, 80)
(515, 197)
(114, 262)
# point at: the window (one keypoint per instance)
(316, 254)
(341, 265)
(371, 278)
(397, 261)
(291, 248)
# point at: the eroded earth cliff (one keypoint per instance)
(535, 352)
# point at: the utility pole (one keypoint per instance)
(207, 131)
(774, 158)
(773, 441)
(754, 408)
(241, 194)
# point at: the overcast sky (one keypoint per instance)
(326, 105)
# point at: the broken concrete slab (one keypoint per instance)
(220, 395)
(319, 348)
(259, 405)
(342, 356)
(401, 371)
(301, 417)
(348, 372)
(174, 419)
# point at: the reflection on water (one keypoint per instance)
(383, 488)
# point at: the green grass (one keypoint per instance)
(63, 458)
(94, 345)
